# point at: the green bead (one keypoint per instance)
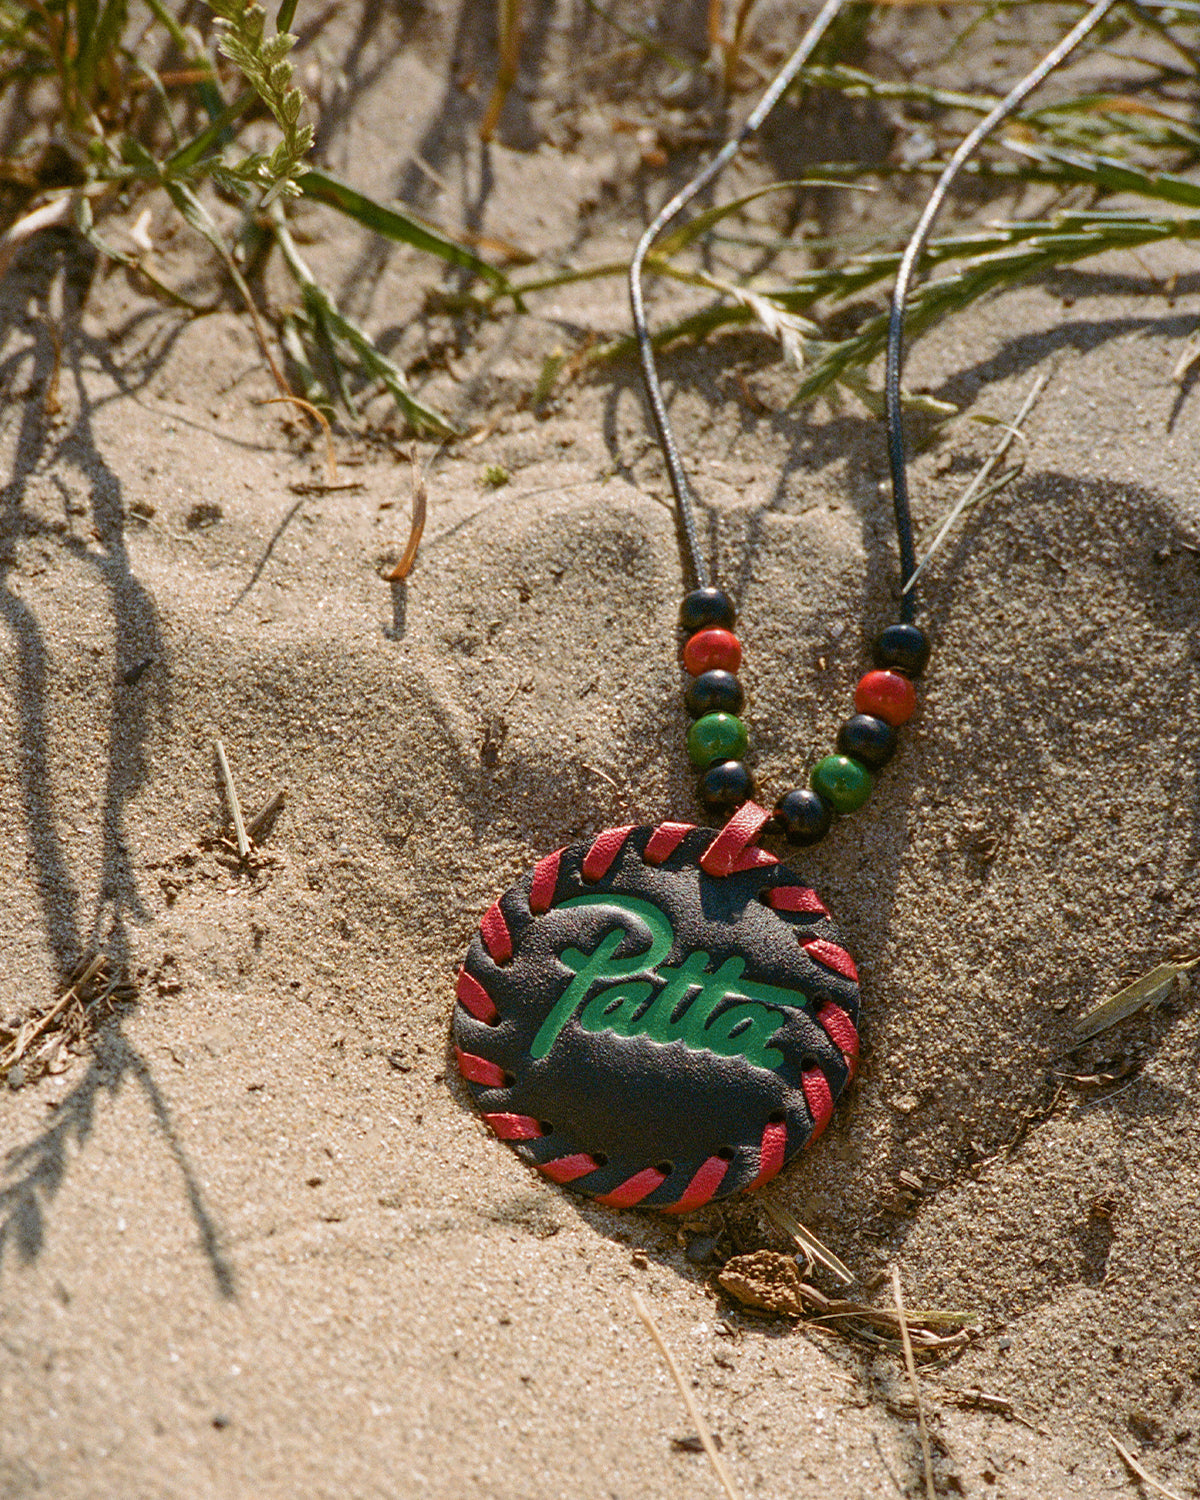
(844, 783)
(716, 737)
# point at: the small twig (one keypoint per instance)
(266, 814)
(319, 486)
(1153, 1484)
(22, 1044)
(698, 1421)
(319, 415)
(419, 498)
(1011, 431)
(235, 806)
(911, 1365)
(51, 401)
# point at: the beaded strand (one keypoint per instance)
(717, 742)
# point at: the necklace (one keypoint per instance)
(664, 1015)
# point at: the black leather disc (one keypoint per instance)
(646, 1031)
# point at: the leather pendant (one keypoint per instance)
(658, 1015)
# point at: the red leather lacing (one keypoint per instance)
(831, 956)
(819, 1098)
(770, 1156)
(702, 1187)
(473, 996)
(842, 1033)
(734, 848)
(795, 898)
(479, 1070)
(665, 839)
(604, 850)
(634, 1189)
(565, 1169)
(496, 936)
(545, 878)
(514, 1127)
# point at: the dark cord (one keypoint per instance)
(897, 455)
(685, 500)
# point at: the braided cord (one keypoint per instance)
(897, 452)
(685, 500)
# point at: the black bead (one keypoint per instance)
(903, 647)
(714, 693)
(725, 786)
(804, 816)
(867, 739)
(704, 607)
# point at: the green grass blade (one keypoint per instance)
(294, 334)
(377, 365)
(86, 227)
(672, 244)
(208, 92)
(217, 133)
(859, 85)
(936, 299)
(1111, 176)
(86, 15)
(397, 224)
(322, 312)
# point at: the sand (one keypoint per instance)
(254, 1240)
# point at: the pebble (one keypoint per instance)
(16, 1077)
(701, 1248)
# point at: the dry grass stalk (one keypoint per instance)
(698, 1421)
(235, 807)
(1151, 989)
(322, 420)
(911, 1366)
(509, 25)
(1153, 1484)
(1012, 431)
(265, 816)
(89, 996)
(419, 505)
(772, 1282)
(807, 1241)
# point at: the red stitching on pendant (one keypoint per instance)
(734, 848)
(634, 1189)
(770, 1156)
(795, 898)
(479, 1070)
(665, 839)
(702, 1187)
(567, 1168)
(842, 1032)
(818, 1097)
(545, 878)
(831, 956)
(604, 850)
(473, 996)
(496, 936)
(515, 1127)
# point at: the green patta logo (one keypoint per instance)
(643, 995)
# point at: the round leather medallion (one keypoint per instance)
(654, 1016)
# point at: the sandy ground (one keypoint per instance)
(254, 1241)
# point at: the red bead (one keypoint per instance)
(713, 650)
(889, 696)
